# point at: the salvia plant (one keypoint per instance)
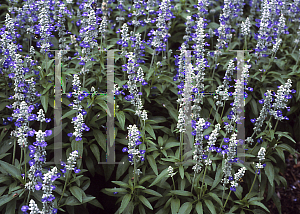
(188, 75)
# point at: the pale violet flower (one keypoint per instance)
(71, 161)
(170, 171)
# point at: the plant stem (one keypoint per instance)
(180, 145)
(65, 185)
(21, 158)
(253, 183)
(14, 152)
(225, 202)
(203, 181)
(25, 164)
(134, 166)
(216, 113)
(173, 182)
(222, 110)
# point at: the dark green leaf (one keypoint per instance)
(125, 202)
(159, 177)
(257, 203)
(100, 138)
(285, 134)
(145, 202)
(199, 208)
(96, 203)
(175, 205)
(218, 177)
(94, 148)
(152, 163)
(121, 118)
(181, 171)
(12, 170)
(181, 192)
(186, 208)
(122, 167)
(210, 206)
(149, 129)
(77, 192)
(44, 101)
(151, 192)
(269, 169)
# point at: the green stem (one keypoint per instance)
(65, 185)
(154, 70)
(222, 110)
(21, 158)
(225, 202)
(203, 181)
(252, 183)
(25, 163)
(83, 81)
(27, 202)
(173, 182)
(214, 70)
(134, 180)
(216, 113)
(193, 182)
(14, 152)
(180, 145)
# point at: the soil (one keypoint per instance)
(290, 196)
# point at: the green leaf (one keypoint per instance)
(254, 107)
(96, 203)
(72, 201)
(122, 167)
(257, 203)
(44, 101)
(90, 165)
(280, 153)
(215, 197)
(272, 134)
(149, 129)
(4, 155)
(116, 190)
(77, 192)
(145, 202)
(159, 177)
(152, 192)
(181, 192)
(125, 202)
(121, 183)
(210, 206)
(100, 138)
(121, 118)
(11, 207)
(181, 171)
(269, 169)
(160, 141)
(218, 177)
(186, 208)
(7, 198)
(12, 170)
(152, 163)
(277, 202)
(285, 134)
(68, 114)
(94, 148)
(175, 205)
(199, 208)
